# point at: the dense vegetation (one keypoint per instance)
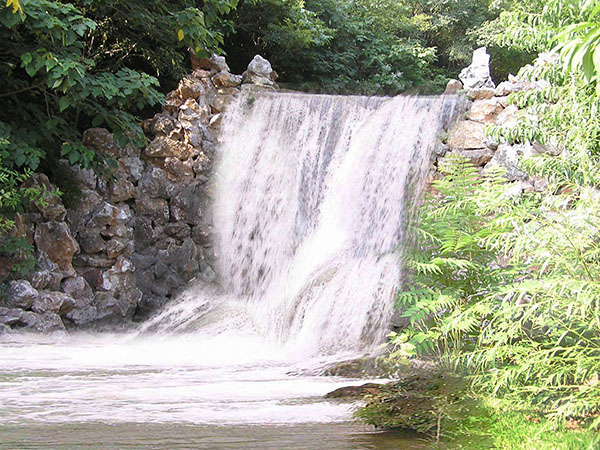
(506, 286)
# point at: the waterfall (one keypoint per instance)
(312, 195)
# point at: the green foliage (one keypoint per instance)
(359, 46)
(521, 311)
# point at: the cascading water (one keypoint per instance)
(312, 195)
(312, 198)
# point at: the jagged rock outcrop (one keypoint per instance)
(133, 241)
(477, 75)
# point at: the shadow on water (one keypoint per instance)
(175, 436)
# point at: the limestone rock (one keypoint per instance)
(260, 72)
(453, 87)
(48, 323)
(190, 88)
(218, 103)
(155, 208)
(21, 294)
(133, 166)
(485, 111)
(507, 156)
(466, 135)
(77, 287)
(143, 234)
(51, 208)
(215, 63)
(478, 157)
(477, 75)
(121, 190)
(177, 170)
(118, 246)
(482, 94)
(103, 141)
(17, 318)
(162, 147)
(54, 238)
(508, 118)
(91, 241)
(226, 80)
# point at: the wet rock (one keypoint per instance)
(178, 171)
(40, 279)
(453, 87)
(219, 103)
(186, 205)
(466, 135)
(259, 72)
(54, 239)
(48, 323)
(485, 111)
(4, 329)
(54, 302)
(478, 157)
(356, 392)
(477, 75)
(21, 294)
(162, 147)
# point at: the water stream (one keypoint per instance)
(312, 194)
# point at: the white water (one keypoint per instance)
(311, 199)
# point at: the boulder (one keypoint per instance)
(507, 156)
(134, 166)
(121, 190)
(77, 287)
(219, 103)
(226, 80)
(478, 157)
(466, 135)
(213, 63)
(190, 88)
(162, 147)
(17, 318)
(103, 141)
(156, 209)
(477, 75)
(485, 111)
(21, 294)
(51, 206)
(481, 94)
(54, 302)
(48, 323)
(453, 87)
(259, 72)
(54, 239)
(91, 241)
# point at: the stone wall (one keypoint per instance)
(131, 242)
(489, 106)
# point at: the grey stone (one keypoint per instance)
(103, 141)
(179, 230)
(156, 209)
(154, 183)
(48, 323)
(143, 234)
(190, 88)
(134, 167)
(91, 241)
(485, 111)
(226, 79)
(121, 190)
(93, 261)
(507, 157)
(118, 246)
(259, 72)
(77, 287)
(21, 294)
(17, 318)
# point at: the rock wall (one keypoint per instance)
(131, 242)
(489, 106)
